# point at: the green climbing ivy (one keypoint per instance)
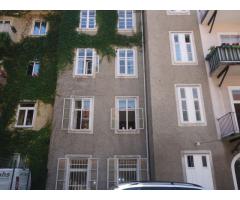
(54, 51)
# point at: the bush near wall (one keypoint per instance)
(54, 52)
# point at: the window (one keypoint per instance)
(88, 19)
(4, 22)
(127, 170)
(204, 161)
(25, 114)
(126, 20)
(77, 173)
(190, 104)
(178, 12)
(190, 161)
(40, 27)
(126, 113)
(183, 50)
(87, 62)
(78, 114)
(123, 169)
(126, 63)
(230, 38)
(33, 68)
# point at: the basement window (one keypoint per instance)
(33, 68)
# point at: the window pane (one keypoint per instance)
(189, 52)
(30, 69)
(130, 67)
(78, 104)
(187, 38)
(89, 66)
(131, 120)
(77, 118)
(122, 66)
(185, 116)
(86, 105)
(190, 161)
(236, 95)
(122, 104)
(178, 52)
(182, 92)
(29, 117)
(195, 92)
(36, 69)
(21, 116)
(122, 120)
(36, 29)
(27, 105)
(80, 67)
(204, 161)
(43, 28)
(131, 103)
(85, 124)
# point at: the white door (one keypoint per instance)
(198, 170)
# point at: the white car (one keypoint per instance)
(158, 186)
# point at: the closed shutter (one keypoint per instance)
(66, 113)
(140, 118)
(61, 174)
(143, 169)
(113, 118)
(112, 173)
(93, 174)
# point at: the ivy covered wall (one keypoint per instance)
(55, 51)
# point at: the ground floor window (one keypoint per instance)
(77, 173)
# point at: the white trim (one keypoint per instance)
(232, 102)
(34, 108)
(91, 115)
(134, 24)
(178, 12)
(225, 33)
(207, 152)
(125, 131)
(235, 158)
(193, 45)
(87, 21)
(33, 24)
(203, 122)
(135, 64)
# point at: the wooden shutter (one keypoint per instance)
(93, 174)
(112, 172)
(66, 113)
(139, 118)
(113, 118)
(61, 174)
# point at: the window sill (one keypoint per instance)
(87, 29)
(23, 127)
(125, 76)
(192, 124)
(184, 63)
(80, 131)
(127, 132)
(83, 76)
(31, 35)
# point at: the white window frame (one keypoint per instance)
(190, 106)
(178, 12)
(117, 64)
(125, 29)
(126, 131)
(95, 63)
(87, 28)
(183, 46)
(232, 101)
(33, 25)
(34, 64)
(25, 116)
(219, 34)
(91, 114)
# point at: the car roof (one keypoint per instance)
(158, 184)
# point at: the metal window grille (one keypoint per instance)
(127, 170)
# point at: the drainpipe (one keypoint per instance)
(145, 97)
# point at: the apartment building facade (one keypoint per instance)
(183, 137)
(220, 40)
(98, 138)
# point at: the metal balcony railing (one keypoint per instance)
(225, 54)
(228, 124)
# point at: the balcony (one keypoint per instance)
(229, 126)
(223, 55)
(6, 28)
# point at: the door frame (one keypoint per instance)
(235, 158)
(208, 152)
(230, 89)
